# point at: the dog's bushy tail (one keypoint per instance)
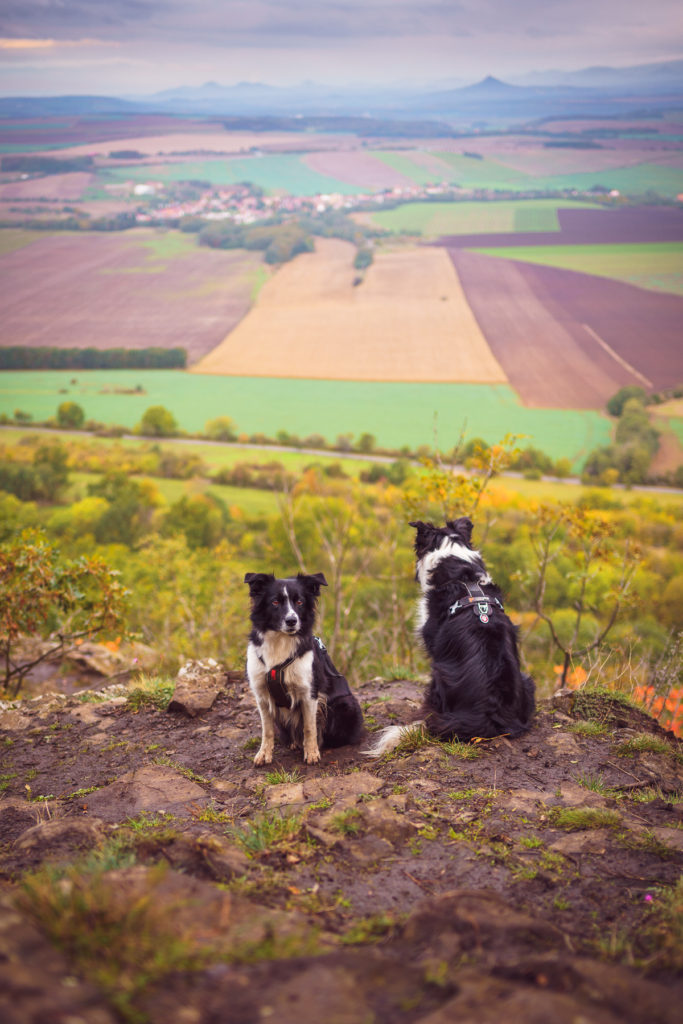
(390, 738)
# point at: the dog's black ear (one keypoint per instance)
(258, 581)
(312, 582)
(418, 524)
(463, 528)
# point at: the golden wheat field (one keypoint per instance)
(409, 320)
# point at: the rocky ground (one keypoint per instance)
(149, 873)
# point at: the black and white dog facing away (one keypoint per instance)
(290, 673)
(477, 687)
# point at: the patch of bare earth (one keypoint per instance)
(105, 291)
(53, 186)
(569, 340)
(408, 319)
(357, 168)
(532, 878)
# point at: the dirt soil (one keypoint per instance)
(533, 879)
(570, 340)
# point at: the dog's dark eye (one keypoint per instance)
(298, 601)
(276, 603)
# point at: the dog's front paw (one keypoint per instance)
(263, 756)
(312, 757)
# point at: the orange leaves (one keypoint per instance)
(667, 709)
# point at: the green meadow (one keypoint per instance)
(471, 218)
(397, 414)
(282, 173)
(655, 265)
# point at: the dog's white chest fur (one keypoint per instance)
(273, 650)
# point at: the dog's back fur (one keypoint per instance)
(477, 688)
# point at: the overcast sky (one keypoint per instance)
(116, 47)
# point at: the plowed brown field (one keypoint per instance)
(408, 321)
(107, 291)
(569, 340)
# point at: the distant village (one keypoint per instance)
(244, 204)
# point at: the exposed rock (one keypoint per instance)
(198, 683)
(151, 788)
(593, 841)
(16, 816)
(59, 840)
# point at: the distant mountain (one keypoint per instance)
(658, 79)
(57, 106)
(590, 92)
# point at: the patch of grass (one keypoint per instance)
(90, 697)
(212, 815)
(575, 819)
(121, 943)
(562, 903)
(146, 822)
(465, 751)
(369, 929)
(643, 743)
(595, 783)
(412, 740)
(530, 842)
(6, 779)
(267, 832)
(647, 795)
(181, 769)
(587, 728)
(253, 743)
(151, 692)
(347, 822)
(280, 776)
(597, 704)
(84, 791)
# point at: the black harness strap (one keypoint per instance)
(482, 606)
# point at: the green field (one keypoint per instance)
(490, 174)
(457, 170)
(397, 414)
(285, 173)
(665, 181)
(654, 265)
(471, 218)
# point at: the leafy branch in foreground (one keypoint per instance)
(597, 568)
(59, 600)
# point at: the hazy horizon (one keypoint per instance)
(130, 47)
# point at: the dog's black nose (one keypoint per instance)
(290, 621)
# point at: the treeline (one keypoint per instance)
(18, 357)
(281, 240)
(636, 441)
(30, 164)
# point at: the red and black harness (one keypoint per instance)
(275, 676)
(482, 606)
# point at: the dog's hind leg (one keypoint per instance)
(264, 754)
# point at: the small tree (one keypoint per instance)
(70, 416)
(597, 569)
(57, 599)
(222, 428)
(157, 421)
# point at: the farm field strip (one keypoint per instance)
(466, 217)
(654, 265)
(542, 324)
(135, 289)
(407, 321)
(397, 414)
(287, 173)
